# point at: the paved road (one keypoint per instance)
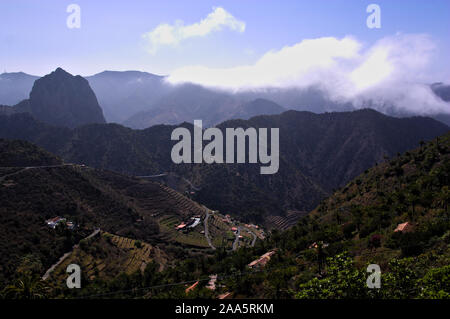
(254, 237)
(173, 174)
(30, 167)
(192, 185)
(236, 241)
(12, 174)
(207, 231)
(152, 176)
(63, 257)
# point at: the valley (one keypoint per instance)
(143, 226)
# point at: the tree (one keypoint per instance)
(436, 283)
(401, 280)
(343, 280)
(28, 286)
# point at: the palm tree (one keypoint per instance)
(28, 286)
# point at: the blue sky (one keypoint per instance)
(34, 37)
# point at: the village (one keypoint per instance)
(217, 225)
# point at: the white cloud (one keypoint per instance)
(296, 64)
(167, 34)
(389, 72)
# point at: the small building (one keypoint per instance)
(315, 245)
(190, 288)
(181, 226)
(194, 223)
(212, 282)
(403, 227)
(233, 229)
(262, 261)
(226, 295)
(54, 221)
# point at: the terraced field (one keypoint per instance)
(107, 255)
(192, 237)
(220, 232)
(285, 222)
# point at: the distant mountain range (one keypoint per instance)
(140, 99)
(15, 87)
(123, 94)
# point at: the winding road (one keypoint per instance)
(236, 241)
(63, 257)
(254, 237)
(207, 230)
(22, 169)
(173, 174)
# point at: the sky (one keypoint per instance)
(116, 35)
(242, 44)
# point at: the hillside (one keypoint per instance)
(21, 153)
(255, 108)
(395, 215)
(325, 256)
(105, 256)
(354, 141)
(90, 199)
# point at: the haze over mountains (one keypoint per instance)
(140, 100)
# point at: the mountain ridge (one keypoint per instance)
(354, 140)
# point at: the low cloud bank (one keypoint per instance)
(391, 74)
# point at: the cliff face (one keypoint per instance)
(62, 99)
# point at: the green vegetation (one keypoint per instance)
(324, 256)
(319, 153)
(352, 229)
(106, 256)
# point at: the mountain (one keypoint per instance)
(394, 215)
(15, 87)
(61, 99)
(318, 152)
(186, 103)
(140, 99)
(442, 90)
(123, 94)
(257, 107)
